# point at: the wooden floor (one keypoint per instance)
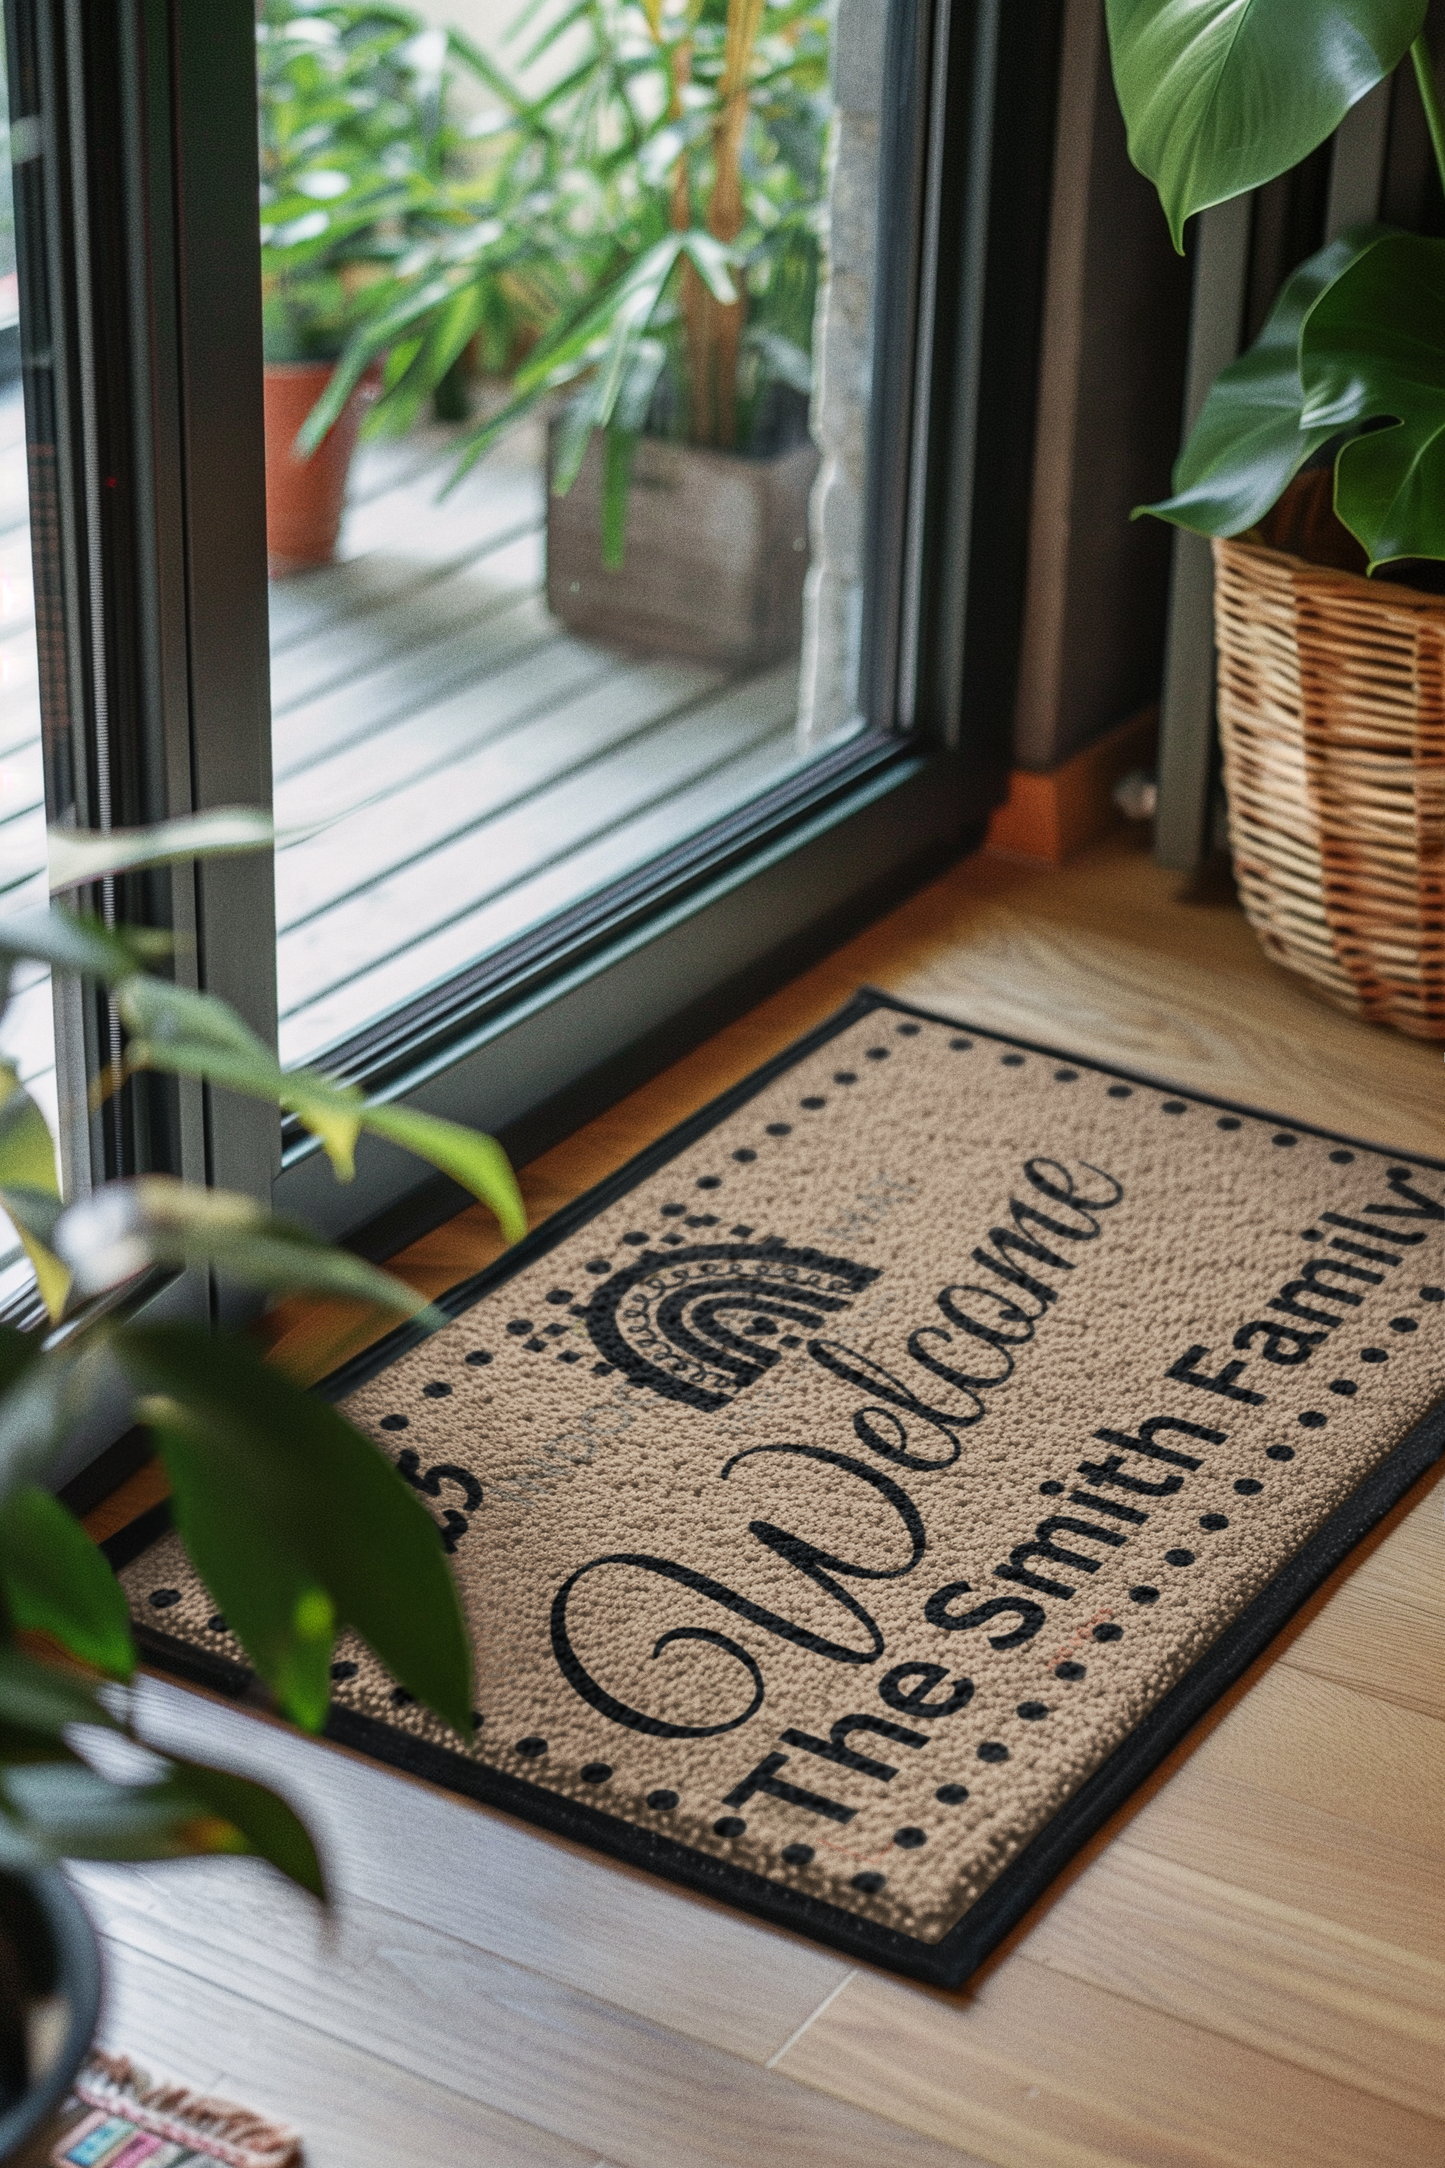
(1246, 1969)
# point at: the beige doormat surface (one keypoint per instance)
(857, 1495)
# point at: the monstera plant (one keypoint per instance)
(1221, 96)
(298, 1524)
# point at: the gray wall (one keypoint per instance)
(1116, 320)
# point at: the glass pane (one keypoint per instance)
(623, 249)
(27, 1034)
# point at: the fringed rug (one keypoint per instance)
(856, 1496)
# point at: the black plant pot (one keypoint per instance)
(49, 2006)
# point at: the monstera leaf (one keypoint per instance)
(1373, 350)
(1222, 95)
(1251, 439)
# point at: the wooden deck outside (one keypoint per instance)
(474, 768)
(1245, 1969)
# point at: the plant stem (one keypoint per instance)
(1430, 99)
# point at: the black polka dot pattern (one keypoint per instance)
(1247, 1486)
(662, 1802)
(163, 1599)
(1179, 1558)
(1070, 1670)
(1313, 1419)
(531, 1749)
(993, 1750)
(1279, 1452)
(951, 1795)
(909, 1840)
(1032, 1712)
(1373, 1355)
(798, 1855)
(1143, 1594)
(595, 1772)
(1108, 1632)
(731, 1825)
(1404, 1324)
(868, 1884)
(1213, 1521)
(1228, 1122)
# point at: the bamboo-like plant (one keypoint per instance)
(297, 1523)
(1221, 96)
(658, 209)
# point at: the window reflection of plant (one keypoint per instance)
(644, 236)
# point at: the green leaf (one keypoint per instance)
(1372, 350)
(1248, 442)
(476, 1161)
(43, 1699)
(80, 944)
(63, 1809)
(1222, 95)
(30, 1186)
(195, 1035)
(56, 1582)
(126, 1227)
(262, 1819)
(79, 855)
(253, 1563)
(281, 1503)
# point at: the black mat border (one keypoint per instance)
(949, 1961)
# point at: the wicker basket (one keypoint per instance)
(1332, 717)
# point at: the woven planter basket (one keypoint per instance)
(1332, 718)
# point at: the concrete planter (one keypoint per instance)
(305, 498)
(717, 550)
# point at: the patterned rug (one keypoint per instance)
(856, 1496)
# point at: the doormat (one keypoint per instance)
(856, 1496)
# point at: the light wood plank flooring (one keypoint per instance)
(1246, 1969)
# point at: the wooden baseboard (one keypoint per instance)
(1050, 817)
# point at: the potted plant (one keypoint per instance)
(656, 217)
(354, 136)
(1318, 467)
(298, 1524)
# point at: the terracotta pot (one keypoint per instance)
(305, 498)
